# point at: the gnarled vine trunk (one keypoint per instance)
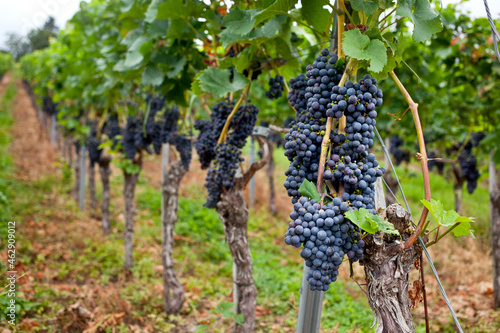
(458, 185)
(387, 270)
(270, 175)
(233, 213)
(495, 229)
(76, 188)
(105, 172)
(93, 197)
(129, 192)
(173, 291)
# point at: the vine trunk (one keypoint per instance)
(93, 197)
(129, 192)
(387, 270)
(495, 229)
(270, 175)
(105, 172)
(173, 291)
(233, 213)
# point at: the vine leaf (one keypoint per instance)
(276, 8)
(240, 22)
(369, 222)
(152, 75)
(369, 6)
(216, 81)
(426, 20)
(308, 189)
(314, 14)
(461, 224)
(360, 47)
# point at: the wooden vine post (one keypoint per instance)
(173, 293)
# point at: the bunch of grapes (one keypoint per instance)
(226, 156)
(167, 132)
(400, 155)
(350, 171)
(468, 162)
(210, 131)
(93, 146)
(49, 106)
(168, 124)
(276, 85)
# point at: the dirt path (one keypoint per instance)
(32, 153)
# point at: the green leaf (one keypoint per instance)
(158, 28)
(309, 190)
(314, 14)
(239, 22)
(370, 223)
(427, 21)
(436, 209)
(173, 9)
(239, 319)
(359, 218)
(268, 31)
(132, 59)
(359, 46)
(449, 218)
(276, 8)
(216, 81)
(367, 6)
(152, 11)
(463, 229)
(152, 75)
(382, 225)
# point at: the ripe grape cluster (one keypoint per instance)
(276, 85)
(210, 131)
(93, 145)
(350, 171)
(400, 155)
(152, 131)
(226, 156)
(49, 106)
(468, 162)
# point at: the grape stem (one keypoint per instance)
(279, 129)
(243, 95)
(326, 138)
(423, 160)
(444, 234)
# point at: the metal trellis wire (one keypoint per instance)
(443, 292)
(494, 31)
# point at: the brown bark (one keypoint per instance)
(76, 188)
(387, 270)
(233, 213)
(173, 291)
(495, 230)
(458, 185)
(270, 175)
(129, 192)
(105, 172)
(93, 197)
